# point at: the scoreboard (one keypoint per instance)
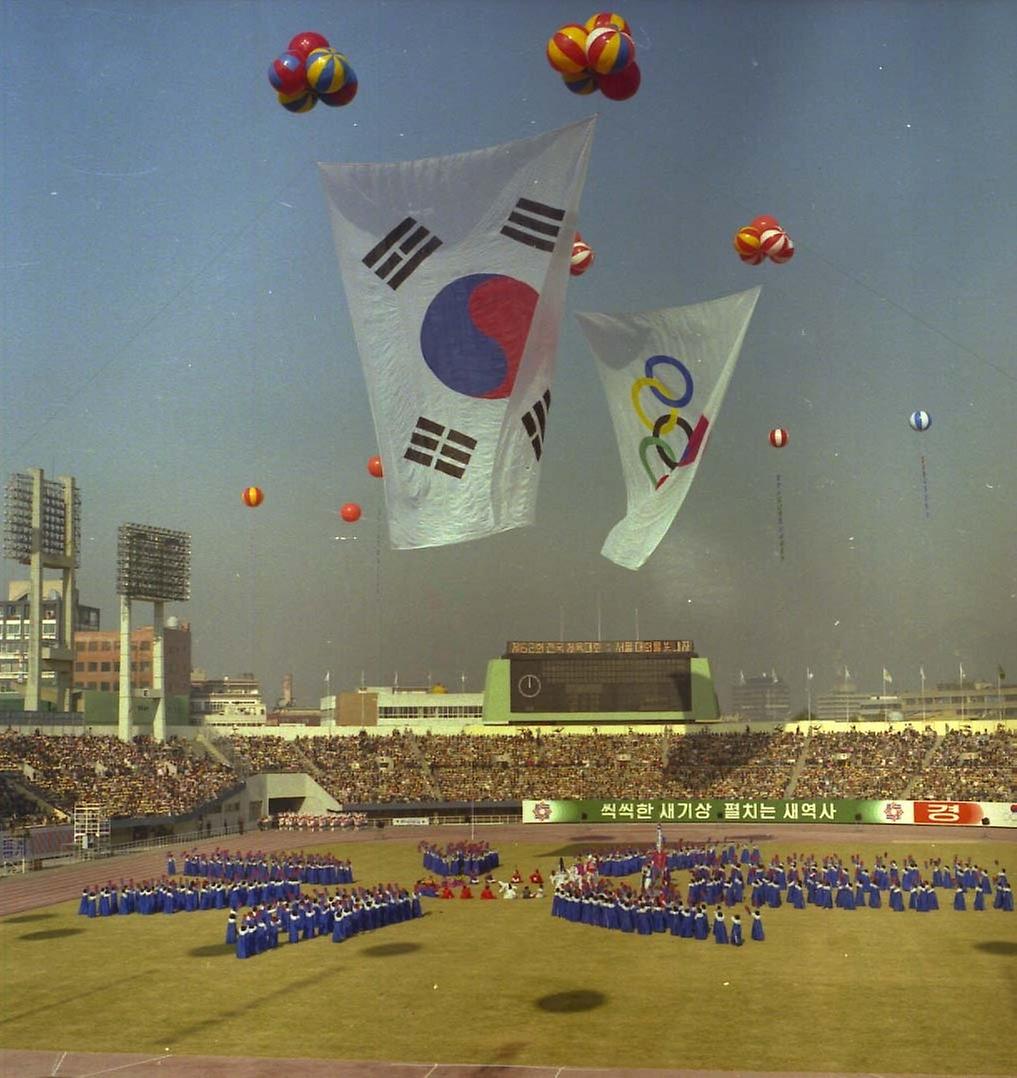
(605, 677)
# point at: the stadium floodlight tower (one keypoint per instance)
(42, 529)
(154, 566)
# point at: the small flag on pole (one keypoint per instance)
(1001, 673)
(887, 679)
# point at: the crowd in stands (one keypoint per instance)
(135, 778)
(732, 765)
(971, 767)
(16, 807)
(862, 764)
(144, 777)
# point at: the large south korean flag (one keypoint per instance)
(455, 270)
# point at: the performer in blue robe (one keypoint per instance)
(241, 942)
(659, 920)
(931, 898)
(719, 927)
(701, 927)
(757, 932)
(1007, 890)
(875, 899)
(171, 865)
(231, 929)
(959, 899)
(736, 931)
(979, 903)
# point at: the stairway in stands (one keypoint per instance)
(309, 765)
(20, 785)
(425, 770)
(789, 790)
(926, 760)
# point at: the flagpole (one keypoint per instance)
(637, 623)
(921, 671)
(598, 617)
(960, 667)
(999, 696)
(808, 692)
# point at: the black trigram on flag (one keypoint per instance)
(448, 450)
(533, 223)
(535, 422)
(407, 245)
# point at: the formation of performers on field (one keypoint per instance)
(321, 868)
(627, 911)
(305, 821)
(459, 858)
(172, 896)
(723, 878)
(337, 917)
(514, 887)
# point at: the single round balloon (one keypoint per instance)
(302, 101)
(606, 18)
(566, 49)
(326, 71)
(350, 512)
(747, 243)
(622, 84)
(764, 221)
(287, 73)
(776, 245)
(920, 421)
(582, 258)
(609, 50)
(582, 83)
(778, 437)
(306, 42)
(346, 94)
(374, 467)
(253, 497)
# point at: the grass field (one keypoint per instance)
(828, 990)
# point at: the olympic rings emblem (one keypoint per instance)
(665, 423)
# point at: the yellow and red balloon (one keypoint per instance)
(597, 55)
(253, 497)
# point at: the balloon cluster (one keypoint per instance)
(598, 55)
(309, 71)
(764, 238)
(582, 256)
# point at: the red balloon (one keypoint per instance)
(307, 42)
(764, 222)
(374, 467)
(622, 84)
(350, 512)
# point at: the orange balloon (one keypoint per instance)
(253, 497)
(350, 512)
(374, 467)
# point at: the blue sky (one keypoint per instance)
(173, 327)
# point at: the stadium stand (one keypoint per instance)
(144, 777)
